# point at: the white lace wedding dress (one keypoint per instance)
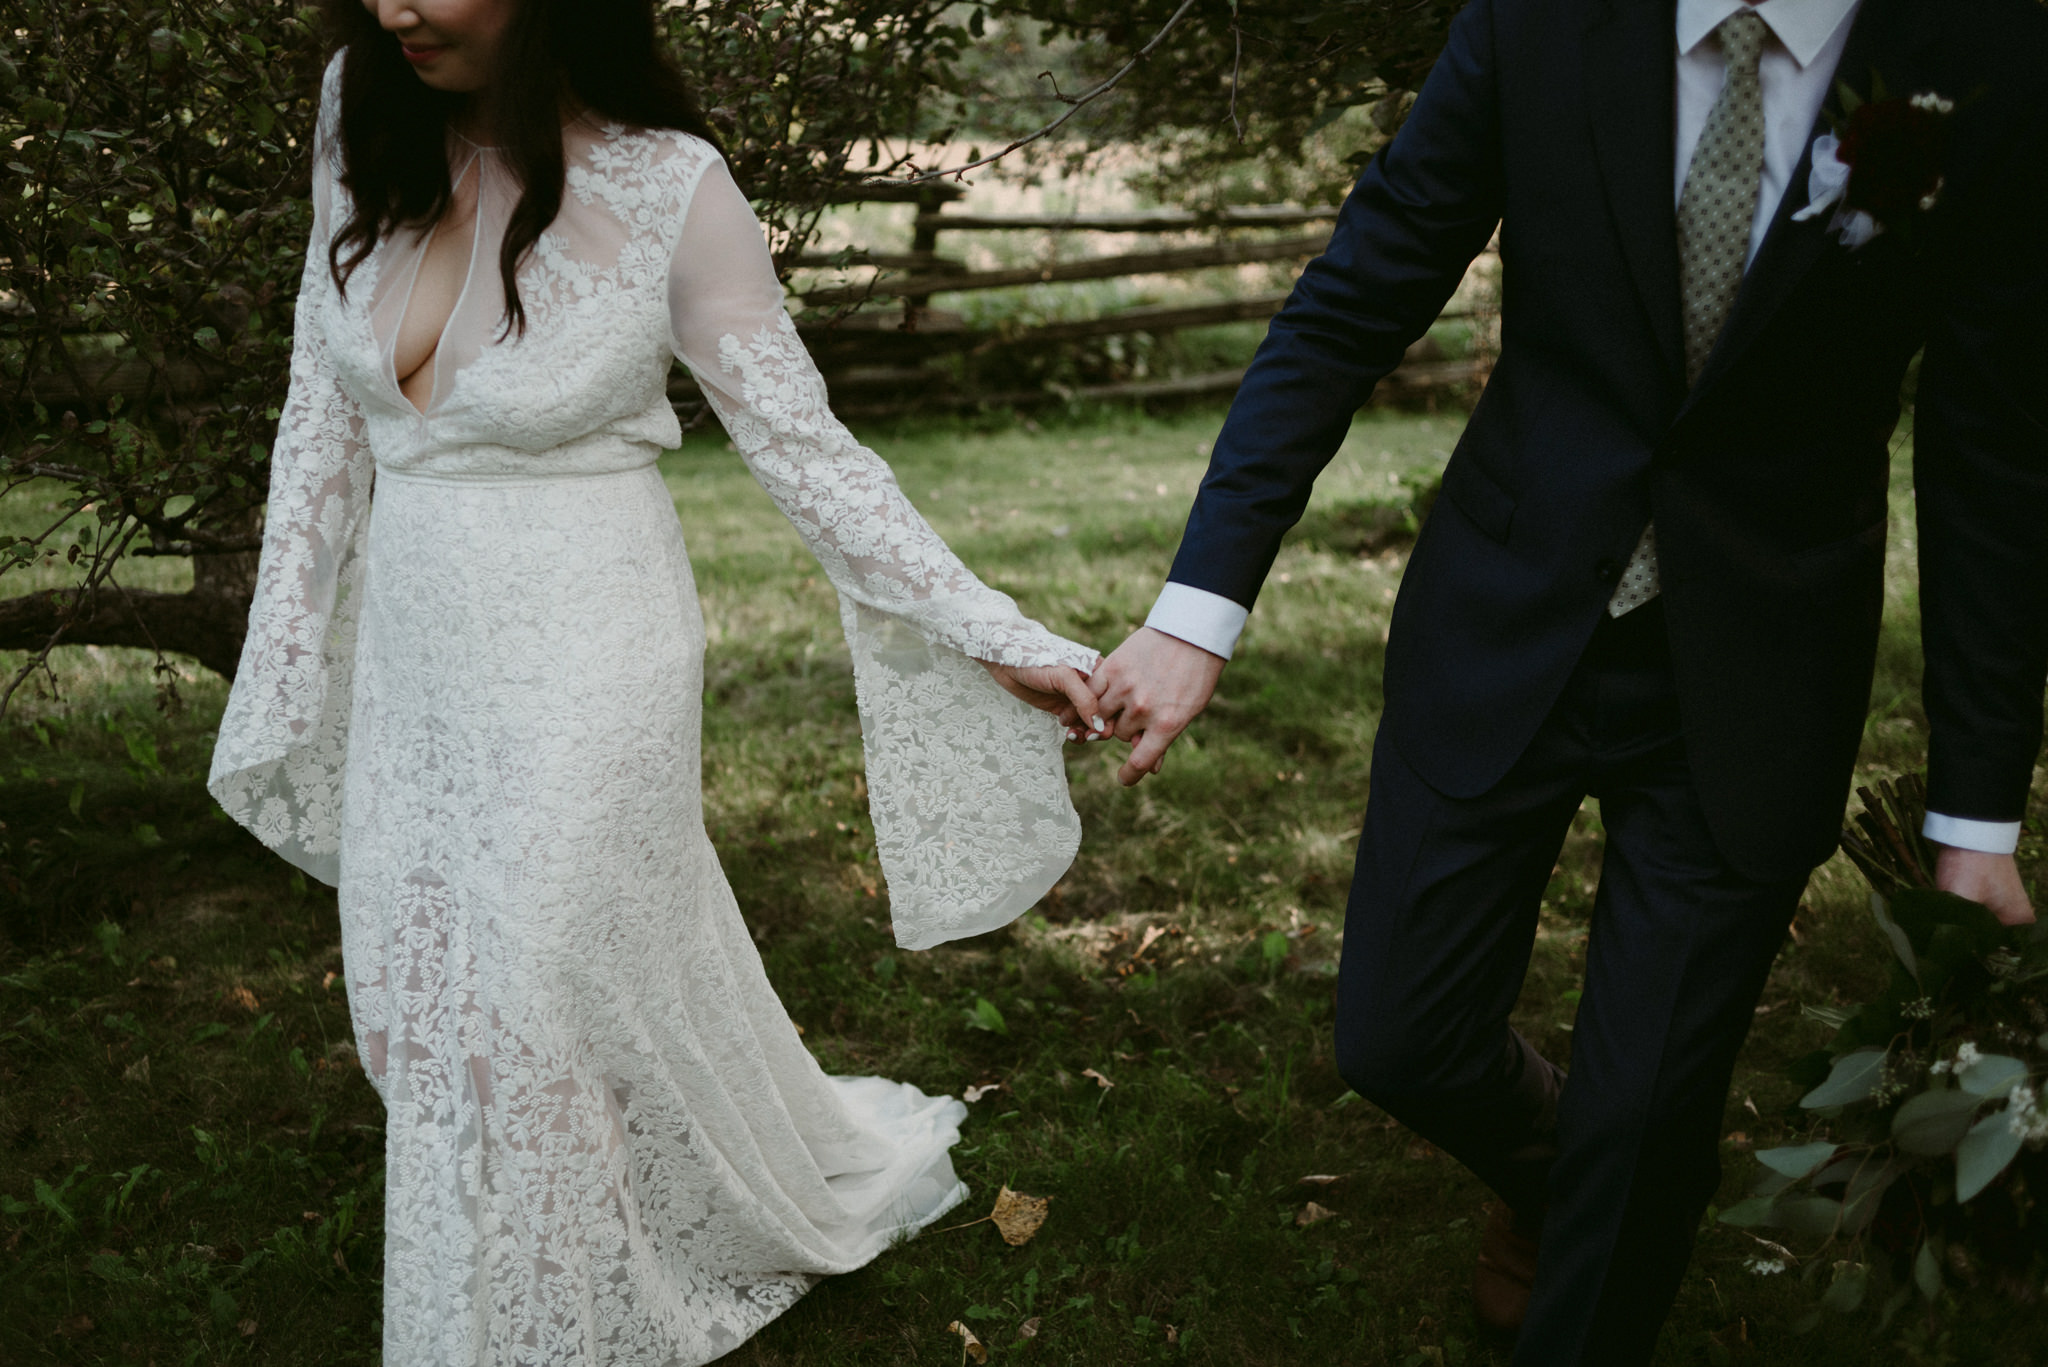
(474, 703)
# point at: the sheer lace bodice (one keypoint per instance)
(474, 702)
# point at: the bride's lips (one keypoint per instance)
(419, 55)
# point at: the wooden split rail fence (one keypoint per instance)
(879, 339)
(877, 361)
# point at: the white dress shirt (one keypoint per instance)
(1794, 74)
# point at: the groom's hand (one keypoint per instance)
(1993, 879)
(1154, 685)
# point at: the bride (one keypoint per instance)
(474, 702)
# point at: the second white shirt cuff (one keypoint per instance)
(1199, 617)
(1964, 833)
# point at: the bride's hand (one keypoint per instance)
(1057, 689)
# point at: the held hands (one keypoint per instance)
(1145, 693)
(1056, 689)
(1148, 691)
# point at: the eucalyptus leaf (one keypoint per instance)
(1901, 945)
(1852, 1079)
(1798, 1160)
(1933, 1123)
(1820, 1215)
(1833, 1017)
(1984, 1152)
(1927, 1270)
(1847, 1292)
(1866, 1193)
(1991, 1075)
(1748, 1214)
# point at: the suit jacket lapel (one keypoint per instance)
(1630, 89)
(1876, 43)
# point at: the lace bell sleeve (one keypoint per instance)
(277, 762)
(966, 784)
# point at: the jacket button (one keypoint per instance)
(1607, 569)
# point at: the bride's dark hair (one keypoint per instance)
(602, 54)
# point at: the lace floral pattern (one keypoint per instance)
(476, 703)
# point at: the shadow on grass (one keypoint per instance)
(190, 1160)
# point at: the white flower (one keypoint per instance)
(2028, 1119)
(1765, 1267)
(1966, 1055)
(1927, 99)
(1826, 185)
(1828, 181)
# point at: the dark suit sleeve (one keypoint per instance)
(1423, 209)
(1981, 478)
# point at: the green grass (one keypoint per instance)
(222, 1200)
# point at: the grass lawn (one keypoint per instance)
(190, 1159)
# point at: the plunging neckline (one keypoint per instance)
(431, 362)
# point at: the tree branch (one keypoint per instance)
(1075, 104)
(208, 627)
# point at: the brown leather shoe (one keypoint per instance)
(1507, 1269)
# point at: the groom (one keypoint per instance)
(1656, 571)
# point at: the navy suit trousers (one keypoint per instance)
(1621, 1159)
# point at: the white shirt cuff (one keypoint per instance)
(1987, 837)
(1199, 617)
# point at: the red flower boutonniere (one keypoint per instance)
(1882, 167)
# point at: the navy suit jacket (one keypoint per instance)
(1553, 119)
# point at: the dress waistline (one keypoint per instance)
(632, 457)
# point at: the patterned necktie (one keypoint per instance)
(1715, 212)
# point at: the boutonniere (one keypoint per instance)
(1880, 170)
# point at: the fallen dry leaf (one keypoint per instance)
(1152, 934)
(1172, 1335)
(137, 1071)
(1028, 1329)
(247, 1329)
(1421, 1150)
(78, 1326)
(976, 1093)
(970, 1346)
(1017, 1216)
(1100, 1080)
(1776, 1250)
(1312, 1214)
(1323, 1179)
(327, 980)
(243, 997)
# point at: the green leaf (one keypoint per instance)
(1853, 1079)
(1865, 1193)
(77, 797)
(1933, 1123)
(1902, 944)
(1985, 1152)
(1833, 1017)
(1927, 1270)
(1991, 1075)
(109, 936)
(1820, 1215)
(1749, 1214)
(1846, 1294)
(1797, 1161)
(50, 1199)
(984, 1016)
